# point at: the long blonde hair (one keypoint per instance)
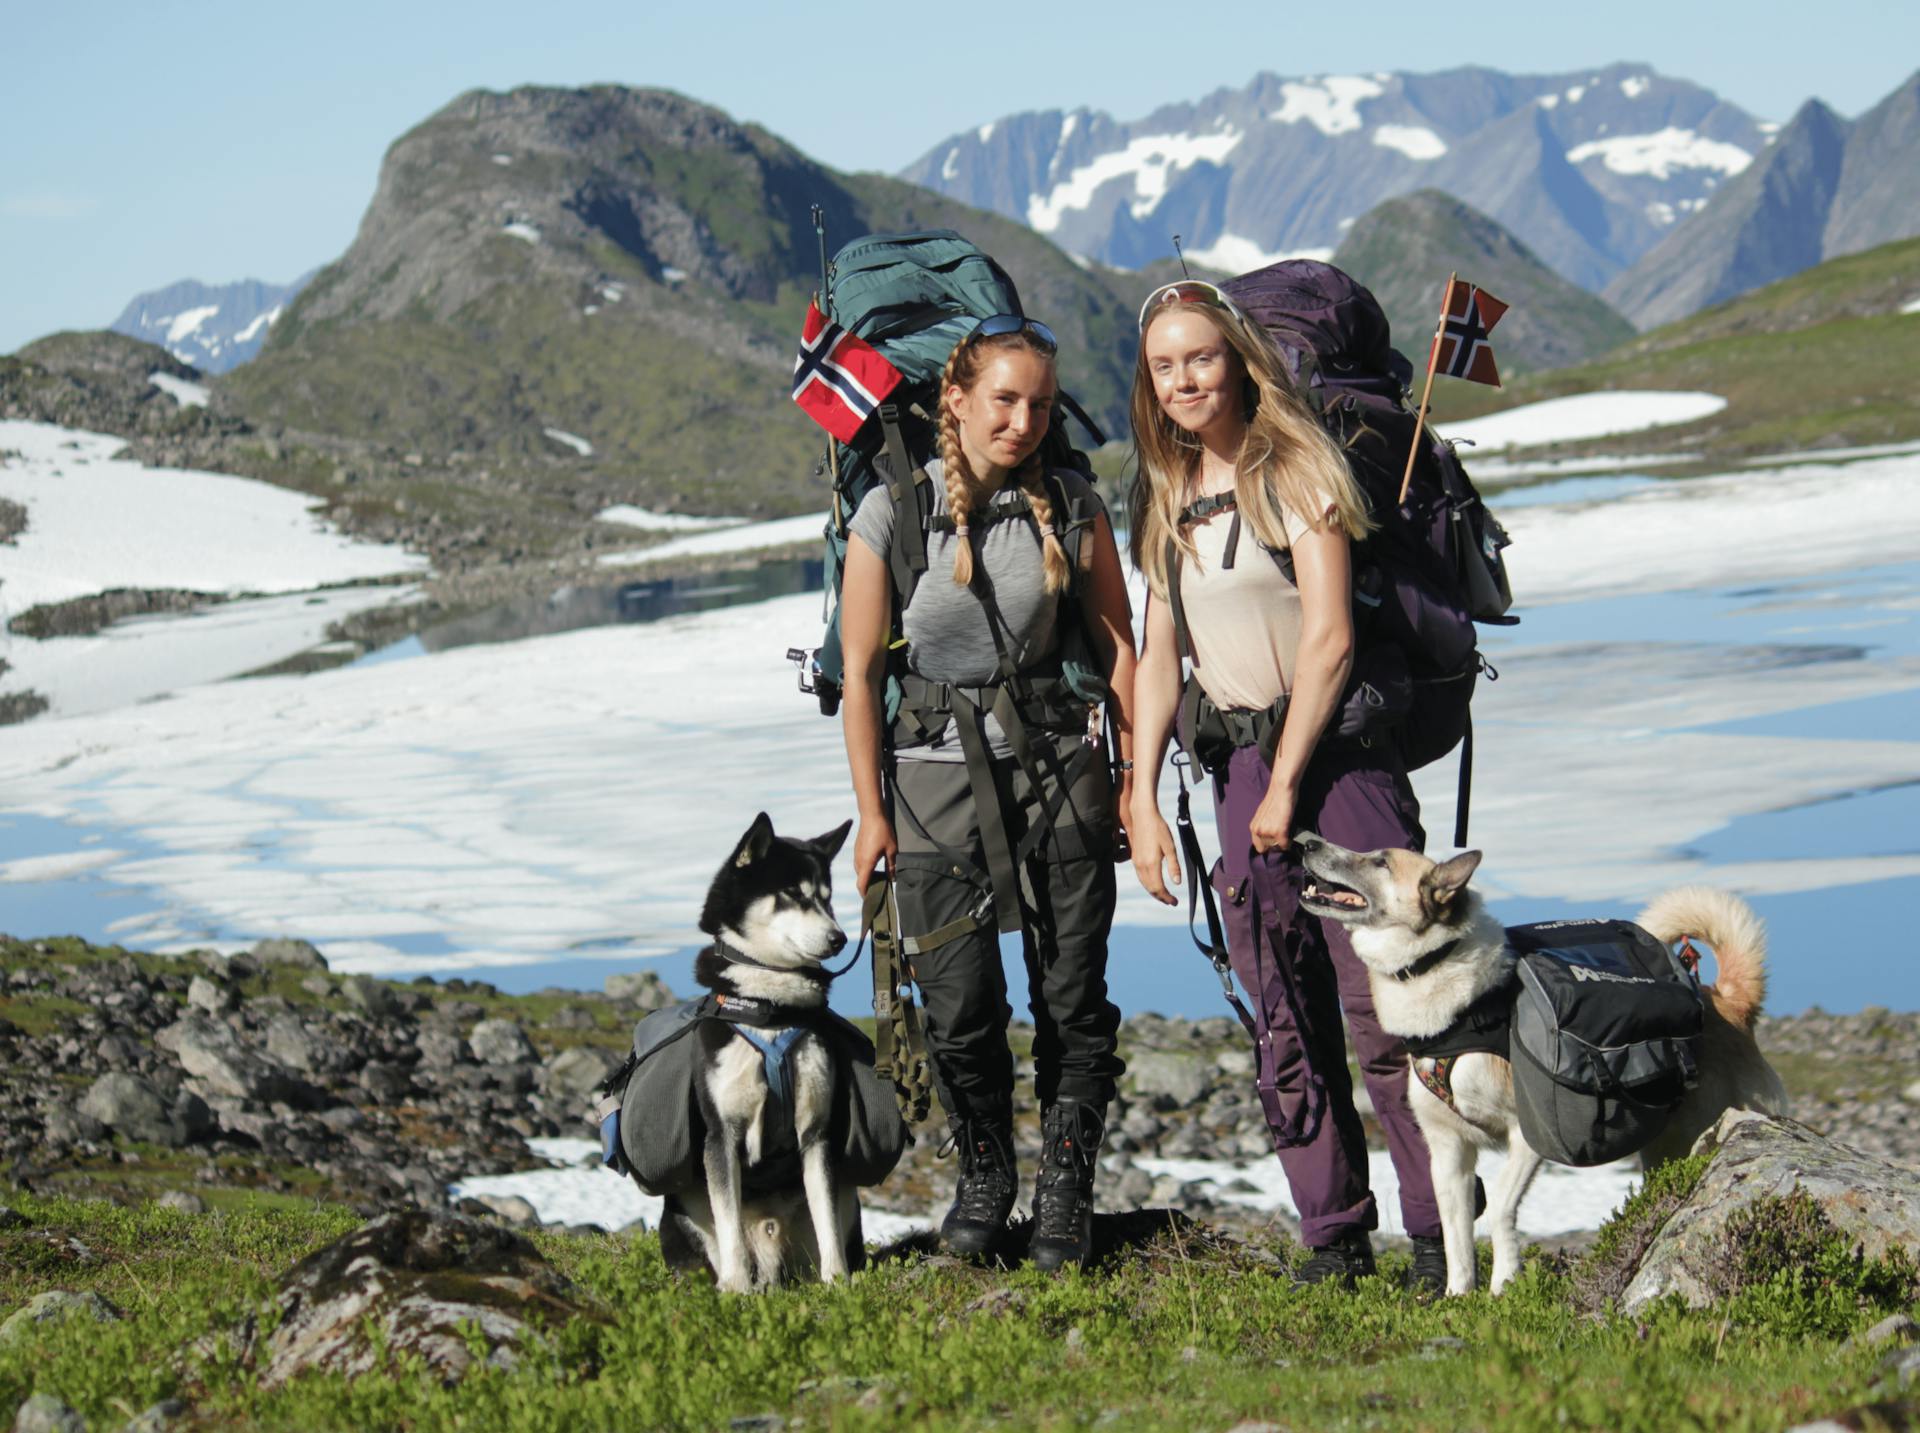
(964, 490)
(1286, 458)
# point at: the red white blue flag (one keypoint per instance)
(1463, 346)
(839, 379)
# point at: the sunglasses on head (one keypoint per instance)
(1004, 323)
(1186, 291)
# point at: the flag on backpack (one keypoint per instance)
(838, 379)
(1463, 346)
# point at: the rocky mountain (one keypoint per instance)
(1403, 250)
(610, 282)
(1588, 169)
(214, 327)
(1827, 188)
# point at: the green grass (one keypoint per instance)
(1186, 1333)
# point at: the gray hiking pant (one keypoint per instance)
(1066, 898)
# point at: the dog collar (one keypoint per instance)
(733, 955)
(1426, 962)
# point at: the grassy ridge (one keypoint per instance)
(1187, 1332)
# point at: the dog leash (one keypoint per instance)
(899, 1041)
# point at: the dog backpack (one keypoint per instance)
(1432, 567)
(650, 1125)
(913, 296)
(1604, 1040)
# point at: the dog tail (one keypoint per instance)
(1737, 935)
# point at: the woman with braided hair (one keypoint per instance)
(1242, 520)
(986, 793)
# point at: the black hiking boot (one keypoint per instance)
(1063, 1191)
(983, 1196)
(1343, 1262)
(1427, 1274)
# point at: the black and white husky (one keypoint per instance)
(770, 1203)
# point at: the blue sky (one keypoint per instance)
(164, 140)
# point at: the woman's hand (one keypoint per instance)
(1153, 847)
(874, 843)
(1272, 824)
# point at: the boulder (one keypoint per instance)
(500, 1042)
(288, 954)
(182, 1201)
(52, 1307)
(639, 990)
(1874, 1204)
(577, 1074)
(209, 995)
(446, 1288)
(130, 1105)
(289, 1042)
(1171, 1081)
(213, 1054)
(43, 1413)
(373, 997)
(441, 1047)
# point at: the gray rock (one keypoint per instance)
(183, 1201)
(385, 1084)
(440, 1047)
(208, 995)
(66, 1126)
(1171, 1081)
(289, 954)
(577, 1074)
(289, 1042)
(214, 1055)
(1897, 1329)
(54, 1307)
(12, 1218)
(510, 1207)
(130, 1105)
(429, 1285)
(1901, 1368)
(500, 1042)
(639, 990)
(374, 997)
(157, 1419)
(1874, 1204)
(1911, 1093)
(43, 1413)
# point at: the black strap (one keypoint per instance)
(1465, 795)
(909, 551)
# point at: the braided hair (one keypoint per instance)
(964, 491)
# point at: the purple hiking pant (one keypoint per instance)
(1364, 808)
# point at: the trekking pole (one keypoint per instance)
(1433, 358)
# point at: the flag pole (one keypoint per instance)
(825, 300)
(1433, 359)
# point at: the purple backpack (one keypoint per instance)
(1433, 567)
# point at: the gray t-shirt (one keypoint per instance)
(946, 625)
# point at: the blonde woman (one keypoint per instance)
(1243, 514)
(983, 795)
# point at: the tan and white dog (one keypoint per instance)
(1400, 907)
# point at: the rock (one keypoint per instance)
(183, 1201)
(12, 1218)
(500, 1042)
(639, 990)
(1894, 1329)
(374, 997)
(130, 1105)
(66, 1127)
(43, 1413)
(1874, 1204)
(510, 1207)
(54, 1307)
(1171, 1081)
(577, 1074)
(429, 1285)
(207, 995)
(385, 1084)
(288, 954)
(441, 1048)
(157, 1419)
(289, 1042)
(1911, 1093)
(1901, 1367)
(214, 1055)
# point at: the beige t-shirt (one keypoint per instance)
(1244, 620)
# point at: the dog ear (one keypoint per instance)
(829, 845)
(756, 843)
(1449, 878)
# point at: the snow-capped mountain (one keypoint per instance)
(212, 327)
(1589, 169)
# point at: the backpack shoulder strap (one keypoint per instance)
(903, 477)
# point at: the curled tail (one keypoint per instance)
(1737, 935)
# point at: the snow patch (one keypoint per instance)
(950, 171)
(1584, 415)
(626, 515)
(985, 131)
(1662, 152)
(578, 444)
(748, 537)
(670, 274)
(1661, 212)
(1331, 103)
(260, 321)
(187, 395)
(1238, 255)
(521, 230)
(1150, 161)
(1548, 101)
(1911, 306)
(181, 325)
(1411, 140)
(613, 293)
(503, 159)
(1575, 94)
(1633, 86)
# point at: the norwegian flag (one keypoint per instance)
(839, 379)
(1462, 346)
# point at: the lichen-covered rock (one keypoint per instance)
(639, 990)
(131, 1106)
(576, 1074)
(291, 954)
(43, 1413)
(1874, 1204)
(500, 1042)
(421, 1282)
(1173, 1080)
(55, 1306)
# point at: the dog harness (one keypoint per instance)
(1484, 1028)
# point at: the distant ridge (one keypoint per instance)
(214, 327)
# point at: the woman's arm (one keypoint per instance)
(1156, 696)
(1109, 618)
(866, 612)
(1322, 569)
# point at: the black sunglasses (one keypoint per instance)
(1005, 323)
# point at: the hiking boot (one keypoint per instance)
(1063, 1190)
(1345, 1261)
(1428, 1272)
(983, 1196)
